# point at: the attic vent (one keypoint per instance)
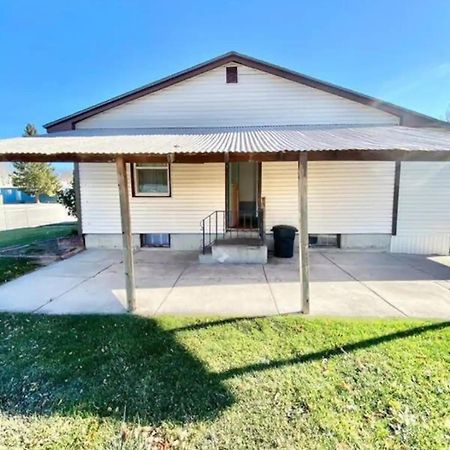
(232, 74)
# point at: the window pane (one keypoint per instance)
(152, 181)
(156, 240)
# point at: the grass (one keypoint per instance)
(22, 236)
(11, 268)
(125, 382)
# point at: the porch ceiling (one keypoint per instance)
(234, 140)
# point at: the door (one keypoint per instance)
(242, 194)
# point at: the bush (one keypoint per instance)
(67, 198)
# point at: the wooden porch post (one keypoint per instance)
(303, 239)
(127, 238)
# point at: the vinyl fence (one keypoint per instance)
(32, 215)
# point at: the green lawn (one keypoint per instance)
(287, 382)
(11, 268)
(28, 235)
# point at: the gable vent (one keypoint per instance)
(232, 74)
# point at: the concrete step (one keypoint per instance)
(206, 258)
(242, 241)
(230, 251)
(239, 253)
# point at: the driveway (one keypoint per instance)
(342, 284)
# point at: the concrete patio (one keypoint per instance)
(342, 284)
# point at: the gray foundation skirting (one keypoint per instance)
(193, 241)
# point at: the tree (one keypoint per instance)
(30, 130)
(67, 198)
(35, 179)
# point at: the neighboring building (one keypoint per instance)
(12, 195)
(244, 119)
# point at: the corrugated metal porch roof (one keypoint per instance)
(231, 139)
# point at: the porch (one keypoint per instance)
(167, 282)
(156, 287)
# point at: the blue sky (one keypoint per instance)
(59, 57)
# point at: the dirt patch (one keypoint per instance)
(44, 252)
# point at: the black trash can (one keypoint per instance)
(284, 236)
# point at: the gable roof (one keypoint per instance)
(407, 117)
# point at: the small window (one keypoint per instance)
(232, 74)
(152, 180)
(155, 240)
(324, 240)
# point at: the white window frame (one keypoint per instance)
(154, 166)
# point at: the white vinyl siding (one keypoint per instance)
(343, 197)
(258, 98)
(197, 190)
(424, 200)
(421, 244)
(424, 208)
(99, 194)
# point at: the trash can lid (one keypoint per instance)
(283, 227)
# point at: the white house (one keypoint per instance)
(215, 149)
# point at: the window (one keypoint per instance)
(155, 240)
(151, 180)
(232, 74)
(325, 240)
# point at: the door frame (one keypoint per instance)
(258, 189)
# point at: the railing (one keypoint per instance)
(262, 225)
(210, 228)
(224, 225)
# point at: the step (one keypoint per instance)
(242, 241)
(206, 258)
(225, 252)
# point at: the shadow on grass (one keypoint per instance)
(332, 352)
(105, 366)
(125, 366)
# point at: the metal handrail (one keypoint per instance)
(262, 224)
(212, 227)
(208, 232)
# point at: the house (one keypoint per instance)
(233, 146)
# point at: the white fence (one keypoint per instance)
(32, 215)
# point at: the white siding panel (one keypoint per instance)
(424, 209)
(420, 244)
(279, 187)
(258, 98)
(343, 197)
(100, 210)
(424, 201)
(197, 190)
